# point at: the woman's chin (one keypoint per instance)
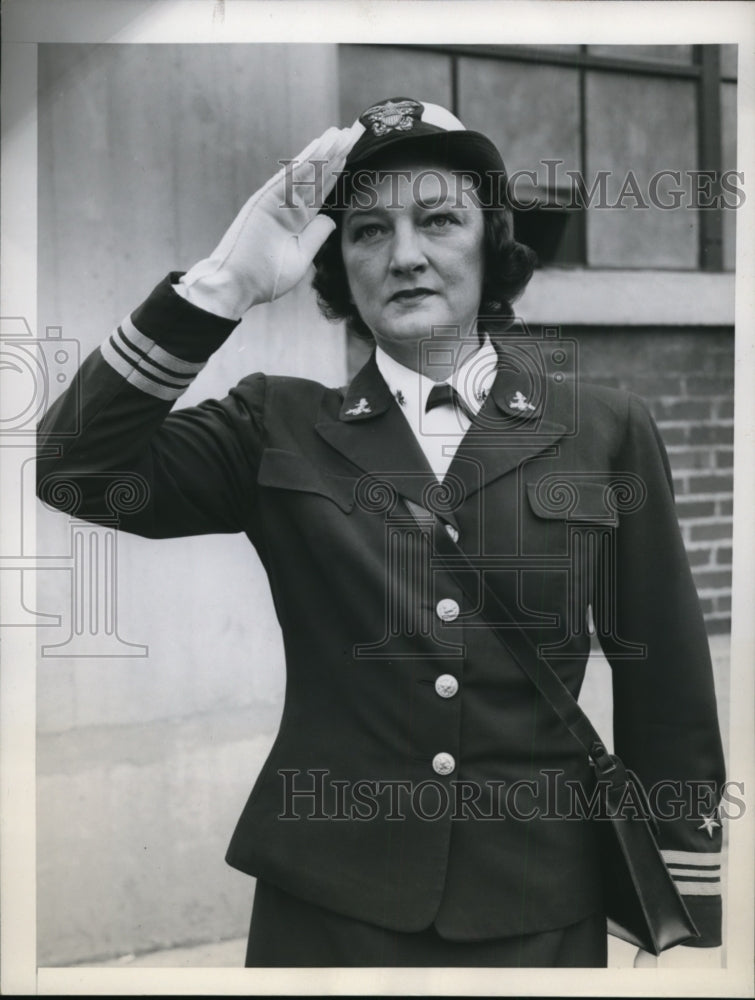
(411, 328)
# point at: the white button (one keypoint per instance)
(454, 534)
(446, 685)
(443, 763)
(447, 609)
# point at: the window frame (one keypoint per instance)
(704, 70)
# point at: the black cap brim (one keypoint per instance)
(459, 149)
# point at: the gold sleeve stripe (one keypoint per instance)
(147, 366)
(705, 859)
(699, 888)
(162, 359)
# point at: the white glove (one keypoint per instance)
(274, 238)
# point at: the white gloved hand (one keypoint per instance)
(272, 241)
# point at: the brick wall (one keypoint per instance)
(687, 378)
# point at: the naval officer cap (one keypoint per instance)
(403, 125)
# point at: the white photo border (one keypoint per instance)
(28, 23)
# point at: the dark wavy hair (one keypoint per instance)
(508, 264)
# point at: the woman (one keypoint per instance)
(418, 806)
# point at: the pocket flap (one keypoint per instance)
(285, 470)
(574, 498)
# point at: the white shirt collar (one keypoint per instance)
(472, 380)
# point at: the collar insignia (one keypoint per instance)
(397, 114)
(709, 824)
(400, 398)
(362, 407)
(520, 402)
(481, 395)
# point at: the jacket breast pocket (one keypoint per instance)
(581, 498)
(287, 471)
(570, 537)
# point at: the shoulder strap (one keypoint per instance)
(519, 645)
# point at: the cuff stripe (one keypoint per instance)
(144, 369)
(147, 366)
(695, 873)
(697, 870)
(134, 377)
(688, 876)
(145, 346)
(702, 859)
(140, 358)
(699, 888)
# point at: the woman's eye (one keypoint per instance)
(439, 221)
(367, 232)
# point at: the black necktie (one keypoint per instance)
(443, 394)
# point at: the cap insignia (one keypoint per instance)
(392, 116)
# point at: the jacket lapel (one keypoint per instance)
(516, 422)
(370, 431)
(513, 424)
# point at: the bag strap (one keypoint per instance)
(519, 645)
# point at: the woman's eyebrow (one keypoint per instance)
(449, 197)
(359, 212)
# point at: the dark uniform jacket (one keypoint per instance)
(390, 795)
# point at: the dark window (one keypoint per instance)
(584, 128)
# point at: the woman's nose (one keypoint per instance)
(406, 250)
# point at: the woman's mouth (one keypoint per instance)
(408, 295)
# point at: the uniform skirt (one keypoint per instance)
(289, 932)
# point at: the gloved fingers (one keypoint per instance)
(338, 154)
(311, 176)
(320, 145)
(333, 144)
(296, 170)
(296, 184)
(312, 237)
(299, 252)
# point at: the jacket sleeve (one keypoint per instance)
(109, 448)
(665, 720)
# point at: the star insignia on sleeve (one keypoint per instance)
(709, 824)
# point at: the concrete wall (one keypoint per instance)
(144, 762)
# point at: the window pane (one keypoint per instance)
(636, 127)
(681, 54)
(729, 162)
(530, 111)
(729, 60)
(371, 73)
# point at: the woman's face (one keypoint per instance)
(414, 256)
